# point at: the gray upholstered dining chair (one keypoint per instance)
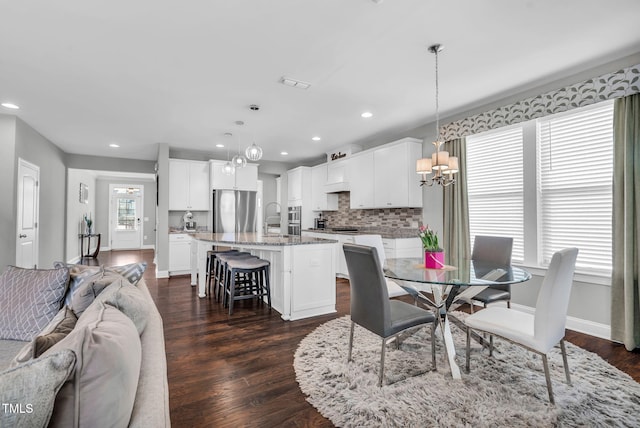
(538, 332)
(371, 307)
(393, 288)
(494, 249)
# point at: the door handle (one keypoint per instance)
(22, 235)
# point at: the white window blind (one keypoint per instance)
(495, 186)
(575, 161)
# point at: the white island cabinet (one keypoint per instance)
(302, 272)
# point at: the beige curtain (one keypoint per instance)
(456, 207)
(625, 292)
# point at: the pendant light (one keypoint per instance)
(440, 163)
(239, 161)
(228, 168)
(253, 152)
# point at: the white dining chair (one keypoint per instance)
(538, 332)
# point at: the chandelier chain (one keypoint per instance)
(437, 98)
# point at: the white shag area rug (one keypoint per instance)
(506, 390)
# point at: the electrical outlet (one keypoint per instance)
(145, 236)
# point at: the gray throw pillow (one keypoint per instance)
(78, 275)
(103, 386)
(29, 299)
(132, 272)
(90, 288)
(28, 391)
(127, 298)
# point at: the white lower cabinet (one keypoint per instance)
(179, 253)
(402, 247)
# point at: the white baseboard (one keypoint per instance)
(603, 331)
(105, 248)
(162, 273)
(148, 247)
(74, 261)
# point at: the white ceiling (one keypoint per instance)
(142, 72)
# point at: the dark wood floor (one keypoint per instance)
(238, 371)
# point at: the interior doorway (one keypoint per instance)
(125, 215)
(28, 214)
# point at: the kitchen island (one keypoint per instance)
(302, 274)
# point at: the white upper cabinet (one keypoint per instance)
(361, 181)
(297, 178)
(243, 179)
(320, 199)
(247, 177)
(396, 182)
(188, 185)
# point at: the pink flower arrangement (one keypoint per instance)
(429, 239)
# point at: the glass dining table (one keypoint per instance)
(447, 288)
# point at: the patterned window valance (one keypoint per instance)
(613, 85)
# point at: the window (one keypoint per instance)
(548, 184)
(575, 162)
(495, 187)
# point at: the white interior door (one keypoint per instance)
(27, 224)
(125, 217)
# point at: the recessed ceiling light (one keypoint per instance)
(220, 145)
(284, 153)
(367, 114)
(10, 105)
(316, 138)
(114, 145)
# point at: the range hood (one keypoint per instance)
(337, 187)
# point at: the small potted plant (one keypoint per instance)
(433, 254)
(89, 223)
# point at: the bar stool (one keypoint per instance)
(255, 283)
(211, 264)
(222, 271)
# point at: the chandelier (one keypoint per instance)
(440, 163)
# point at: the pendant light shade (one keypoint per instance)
(228, 168)
(253, 152)
(239, 161)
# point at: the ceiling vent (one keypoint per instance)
(287, 81)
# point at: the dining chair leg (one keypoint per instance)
(548, 377)
(491, 345)
(509, 304)
(565, 362)
(350, 341)
(433, 345)
(382, 363)
(468, 352)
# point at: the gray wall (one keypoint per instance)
(8, 173)
(34, 148)
(162, 236)
(98, 163)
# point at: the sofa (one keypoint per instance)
(81, 346)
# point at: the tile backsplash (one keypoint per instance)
(384, 217)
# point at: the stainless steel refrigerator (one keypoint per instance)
(234, 211)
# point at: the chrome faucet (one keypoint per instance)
(273, 217)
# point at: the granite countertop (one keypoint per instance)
(385, 232)
(181, 230)
(259, 239)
